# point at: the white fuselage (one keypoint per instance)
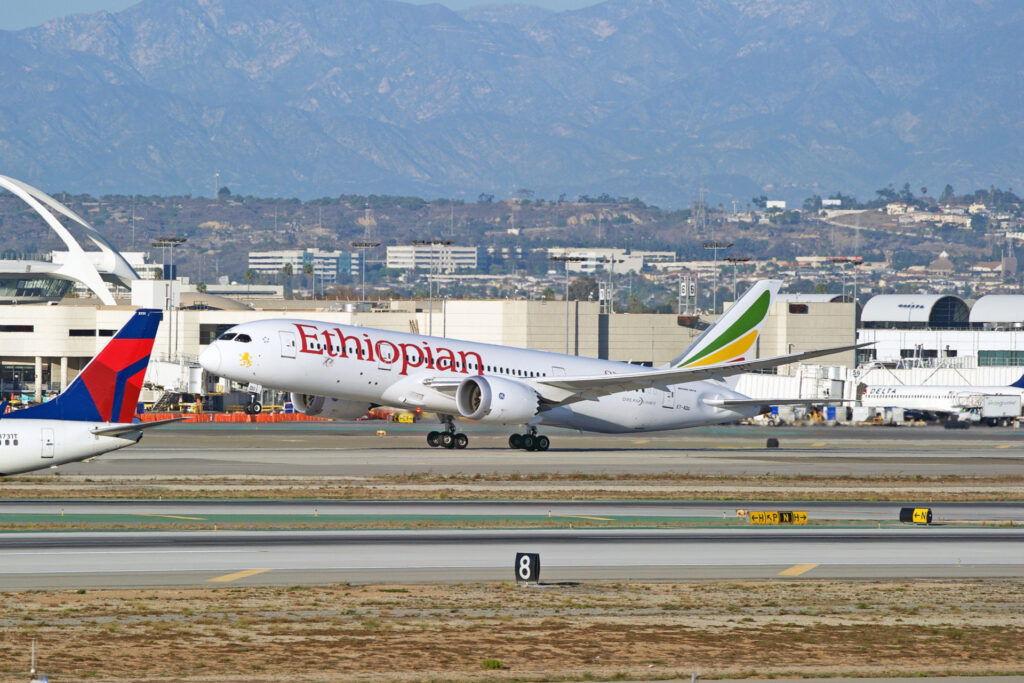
(29, 444)
(933, 399)
(388, 368)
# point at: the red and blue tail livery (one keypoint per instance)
(108, 389)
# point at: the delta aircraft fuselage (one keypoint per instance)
(29, 444)
(400, 369)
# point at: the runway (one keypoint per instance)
(354, 449)
(83, 560)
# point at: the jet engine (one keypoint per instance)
(495, 399)
(331, 408)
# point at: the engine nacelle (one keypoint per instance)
(331, 408)
(496, 399)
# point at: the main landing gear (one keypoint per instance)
(530, 441)
(449, 438)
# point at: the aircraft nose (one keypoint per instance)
(210, 359)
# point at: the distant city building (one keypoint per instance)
(327, 265)
(775, 204)
(655, 256)
(832, 203)
(440, 258)
(616, 260)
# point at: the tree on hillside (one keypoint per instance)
(583, 289)
(307, 270)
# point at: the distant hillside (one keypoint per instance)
(631, 97)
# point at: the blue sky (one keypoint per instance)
(17, 14)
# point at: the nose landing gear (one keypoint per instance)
(449, 438)
(254, 407)
(530, 441)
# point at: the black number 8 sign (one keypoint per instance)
(527, 567)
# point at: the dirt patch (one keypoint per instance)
(535, 486)
(580, 632)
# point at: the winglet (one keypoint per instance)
(1019, 384)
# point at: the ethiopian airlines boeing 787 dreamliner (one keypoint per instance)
(342, 371)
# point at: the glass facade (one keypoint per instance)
(1000, 358)
(51, 289)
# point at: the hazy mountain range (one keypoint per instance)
(630, 97)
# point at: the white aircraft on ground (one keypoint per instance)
(342, 371)
(964, 402)
(94, 415)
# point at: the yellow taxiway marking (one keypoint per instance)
(1004, 445)
(641, 442)
(798, 569)
(602, 519)
(142, 514)
(238, 575)
(819, 444)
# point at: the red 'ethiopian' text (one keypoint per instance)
(337, 344)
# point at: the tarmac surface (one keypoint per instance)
(150, 559)
(354, 449)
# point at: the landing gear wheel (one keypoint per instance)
(256, 407)
(529, 442)
(543, 443)
(447, 440)
(434, 439)
(515, 441)
(461, 441)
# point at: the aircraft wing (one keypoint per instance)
(126, 427)
(571, 389)
(742, 402)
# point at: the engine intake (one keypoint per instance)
(495, 399)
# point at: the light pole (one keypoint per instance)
(566, 259)
(430, 277)
(715, 245)
(168, 244)
(609, 301)
(735, 260)
(362, 261)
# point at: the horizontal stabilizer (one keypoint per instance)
(127, 427)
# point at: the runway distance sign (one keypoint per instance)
(527, 567)
(772, 517)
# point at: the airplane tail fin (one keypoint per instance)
(733, 336)
(107, 389)
(1019, 384)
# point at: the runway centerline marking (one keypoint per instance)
(238, 575)
(144, 514)
(798, 569)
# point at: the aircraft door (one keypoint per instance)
(669, 399)
(287, 344)
(47, 443)
(386, 355)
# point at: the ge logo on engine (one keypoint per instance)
(501, 395)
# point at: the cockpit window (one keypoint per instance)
(243, 338)
(227, 336)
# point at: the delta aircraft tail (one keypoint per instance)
(107, 390)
